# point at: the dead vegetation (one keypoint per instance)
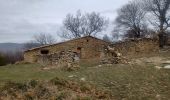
(55, 89)
(136, 81)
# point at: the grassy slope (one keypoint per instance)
(124, 81)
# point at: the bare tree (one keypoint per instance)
(131, 16)
(9, 57)
(39, 40)
(79, 25)
(44, 39)
(161, 10)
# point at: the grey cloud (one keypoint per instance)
(21, 19)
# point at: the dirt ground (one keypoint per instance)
(161, 59)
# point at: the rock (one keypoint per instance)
(69, 65)
(76, 58)
(119, 54)
(83, 79)
(158, 97)
(46, 68)
(113, 57)
(167, 67)
(158, 67)
(166, 62)
(71, 76)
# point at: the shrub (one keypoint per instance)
(33, 83)
(2, 61)
(10, 57)
(58, 81)
(11, 87)
(62, 95)
(41, 92)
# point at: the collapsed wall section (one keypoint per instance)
(132, 48)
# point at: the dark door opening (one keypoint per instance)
(79, 52)
(44, 52)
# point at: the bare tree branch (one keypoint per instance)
(44, 39)
(88, 24)
(160, 9)
(132, 16)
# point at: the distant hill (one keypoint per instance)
(11, 47)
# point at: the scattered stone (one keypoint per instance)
(158, 97)
(167, 67)
(71, 76)
(46, 68)
(113, 57)
(166, 62)
(83, 79)
(158, 67)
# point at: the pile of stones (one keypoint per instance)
(113, 57)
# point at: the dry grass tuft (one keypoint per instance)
(55, 89)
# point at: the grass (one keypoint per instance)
(26, 72)
(128, 82)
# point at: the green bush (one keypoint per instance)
(2, 61)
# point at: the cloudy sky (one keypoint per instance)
(20, 20)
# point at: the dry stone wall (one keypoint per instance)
(88, 47)
(64, 59)
(122, 52)
(132, 48)
(65, 54)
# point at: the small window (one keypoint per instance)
(87, 40)
(44, 51)
(79, 48)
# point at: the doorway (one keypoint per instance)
(79, 51)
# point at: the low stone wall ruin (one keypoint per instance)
(116, 53)
(121, 52)
(66, 59)
(132, 48)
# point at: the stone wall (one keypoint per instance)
(132, 48)
(91, 48)
(86, 47)
(64, 59)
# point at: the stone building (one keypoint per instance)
(83, 48)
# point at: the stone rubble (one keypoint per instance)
(113, 57)
(66, 59)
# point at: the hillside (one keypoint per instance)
(12, 47)
(141, 79)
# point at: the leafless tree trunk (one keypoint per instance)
(161, 10)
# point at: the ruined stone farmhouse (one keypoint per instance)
(67, 53)
(82, 48)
